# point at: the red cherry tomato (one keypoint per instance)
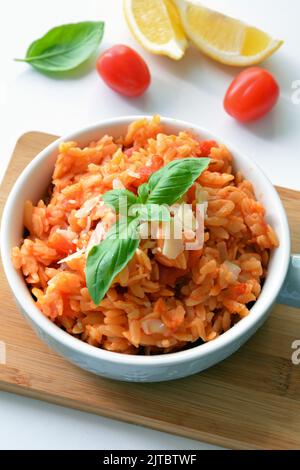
(252, 94)
(124, 70)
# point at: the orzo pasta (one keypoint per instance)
(156, 304)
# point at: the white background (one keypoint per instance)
(191, 89)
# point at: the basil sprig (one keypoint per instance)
(164, 187)
(65, 47)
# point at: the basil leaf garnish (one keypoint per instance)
(107, 259)
(172, 181)
(65, 47)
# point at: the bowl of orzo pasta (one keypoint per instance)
(143, 248)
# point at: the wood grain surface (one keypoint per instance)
(250, 401)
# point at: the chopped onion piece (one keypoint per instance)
(234, 269)
(173, 239)
(172, 248)
(153, 326)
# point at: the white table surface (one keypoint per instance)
(191, 89)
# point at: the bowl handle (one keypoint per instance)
(290, 292)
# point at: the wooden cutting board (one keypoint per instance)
(250, 401)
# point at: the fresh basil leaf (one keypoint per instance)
(153, 212)
(123, 228)
(171, 182)
(143, 192)
(65, 47)
(135, 210)
(120, 198)
(107, 259)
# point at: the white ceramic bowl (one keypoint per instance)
(32, 184)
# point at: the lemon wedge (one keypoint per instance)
(223, 38)
(156, 25)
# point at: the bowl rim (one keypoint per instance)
(235, 333)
